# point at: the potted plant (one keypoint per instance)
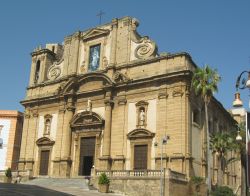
(103, 183)
(8, 176)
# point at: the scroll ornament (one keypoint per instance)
(145, 49)
(54, 72)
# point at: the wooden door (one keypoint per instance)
(44, 162)
(87, 155)
(140, 156)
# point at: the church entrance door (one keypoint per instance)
(140, 156)
(44, 162)
(87, 155)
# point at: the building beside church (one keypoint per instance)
(11, 124)
(104, 100)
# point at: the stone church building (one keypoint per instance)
(105, 98)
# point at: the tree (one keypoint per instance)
(204, 83)
(220, 144)
(240, 146)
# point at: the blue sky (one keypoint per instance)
(213, 32)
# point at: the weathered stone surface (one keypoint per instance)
(130, 78)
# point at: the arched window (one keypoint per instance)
(37, 71)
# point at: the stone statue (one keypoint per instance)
(89, 106)
(47, 126)
(142, 117)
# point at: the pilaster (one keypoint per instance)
(105, 160)
(65, 161)
(114, 40)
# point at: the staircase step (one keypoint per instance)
(59, 182)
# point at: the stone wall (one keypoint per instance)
(175, 184)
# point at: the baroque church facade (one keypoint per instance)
(104, 100)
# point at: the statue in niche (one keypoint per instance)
(142, 118)
(89, 105)
(47, 126)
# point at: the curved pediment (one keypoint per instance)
(140, 133)
(86, 82)
(87, 119)
(44, 141)
(93, 81)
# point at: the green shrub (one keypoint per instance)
(222, 191)
(8, 173)
(103, 179)
(197, 179)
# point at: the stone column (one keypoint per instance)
(105, 159)
(66, 140)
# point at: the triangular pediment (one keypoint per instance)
(44, 141)
(94, 33)
(140, 133)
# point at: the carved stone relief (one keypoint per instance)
(146, 47)
(104, 62)
(120, 77)
(177, 92)
(83, 67)
(54, 72)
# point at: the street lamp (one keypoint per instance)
(238, 137)
(241, 83)
(164, 141)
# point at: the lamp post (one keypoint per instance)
(164, 141)
(242, 82)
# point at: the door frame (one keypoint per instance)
(76, 145)
(44, 148)
(140, 142)
(93, 161)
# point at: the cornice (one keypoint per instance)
(42, 51)
(110, 87)
(154, 59)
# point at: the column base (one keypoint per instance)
(118, 163)
(29, 164)
(64, 168)
(105, 163)
(21, 164)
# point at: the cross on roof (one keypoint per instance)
(100, 14)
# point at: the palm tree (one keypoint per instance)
(204, 83)
(221, 143)
(240, 146)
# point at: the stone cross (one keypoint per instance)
(100, 14)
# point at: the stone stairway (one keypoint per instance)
(79, 183)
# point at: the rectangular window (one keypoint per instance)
(94, 57)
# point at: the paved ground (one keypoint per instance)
(33, 190)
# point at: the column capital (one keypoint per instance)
(71, 108)
(108, 102)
